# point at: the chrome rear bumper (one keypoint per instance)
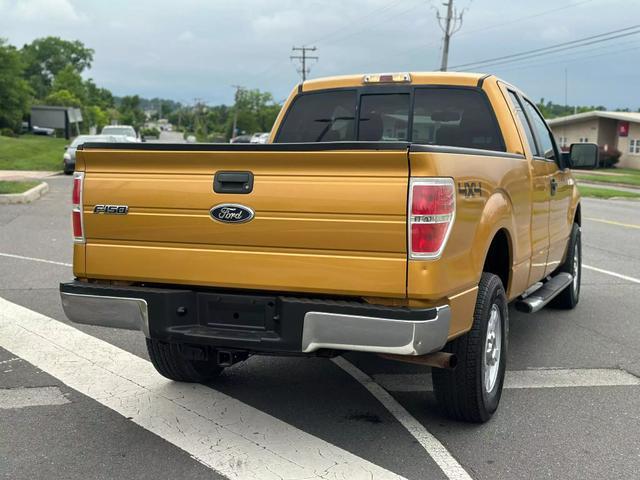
(106, 311)
(375, 334)
(258, 322)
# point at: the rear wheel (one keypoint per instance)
(170, 363)
(471, 392)
(569, 297)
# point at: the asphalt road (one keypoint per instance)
(572, 409)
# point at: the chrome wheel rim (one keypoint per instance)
(492, 348)
(576, 269)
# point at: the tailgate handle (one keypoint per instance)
(233, 182)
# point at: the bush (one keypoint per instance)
(609, 157)
(150, 132)
(7, 132)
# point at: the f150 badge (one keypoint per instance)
(231, 213)
(111, 209)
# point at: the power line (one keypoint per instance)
(565, 61)
(525, 17)
(363, 27)
(593, 39)
(360, 21)
(505, 23)
(304, 70)
(449, 25)
(553, 56)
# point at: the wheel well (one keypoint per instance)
(578, 217)
(498, 260)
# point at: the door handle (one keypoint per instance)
(554, 186)
(233, 182)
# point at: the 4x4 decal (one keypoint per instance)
(470, 189)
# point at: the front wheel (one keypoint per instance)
(170, 363)
(471, 392)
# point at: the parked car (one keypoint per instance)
(121, 130)
(69, 157)
(241, 139)
(43, 131)
(260, 137)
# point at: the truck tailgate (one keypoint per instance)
(326, 220)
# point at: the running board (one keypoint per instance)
(543, 295)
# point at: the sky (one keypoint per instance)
(188, 49)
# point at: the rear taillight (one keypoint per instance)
(432, 209)
(76, 211)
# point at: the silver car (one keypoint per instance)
(69, 157)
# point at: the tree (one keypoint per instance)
(256, 110)
(63, 98)
(130, 111)
(70, 80)
(100, 97)
(95, 117)
(46, 57)
(14, 90)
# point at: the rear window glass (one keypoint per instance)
(320, 117)
(383, 117)
(455, 117)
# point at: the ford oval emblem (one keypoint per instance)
(231, 213)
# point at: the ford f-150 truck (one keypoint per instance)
(397, 214)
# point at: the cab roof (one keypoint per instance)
(417, 78)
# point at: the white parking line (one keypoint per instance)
(449, 465)
(33, 259)
(221, 432)
(31, 397)
(613, 274)
(518, 379)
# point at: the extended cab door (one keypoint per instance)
(541, 172)
(560, 188)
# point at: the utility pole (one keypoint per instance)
(303, 59)
(238, 88)
(449, 25)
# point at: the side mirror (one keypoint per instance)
(584, 155)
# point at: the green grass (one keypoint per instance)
(605, 192)
(624, 176)
(16, 187)
(31, 152)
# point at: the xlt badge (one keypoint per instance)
(231, 213)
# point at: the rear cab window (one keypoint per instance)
(433, 115)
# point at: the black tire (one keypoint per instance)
(570, 296)
(170, 363)
(463, 393)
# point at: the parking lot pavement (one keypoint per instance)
(569, 409)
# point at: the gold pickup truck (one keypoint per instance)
(397, 214)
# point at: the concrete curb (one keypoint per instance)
(26, 197)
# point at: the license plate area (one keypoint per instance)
(236, 311)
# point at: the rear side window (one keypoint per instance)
(455, 117)
(525, 123)
(384, 117)
(320, 117)
(546, 142)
